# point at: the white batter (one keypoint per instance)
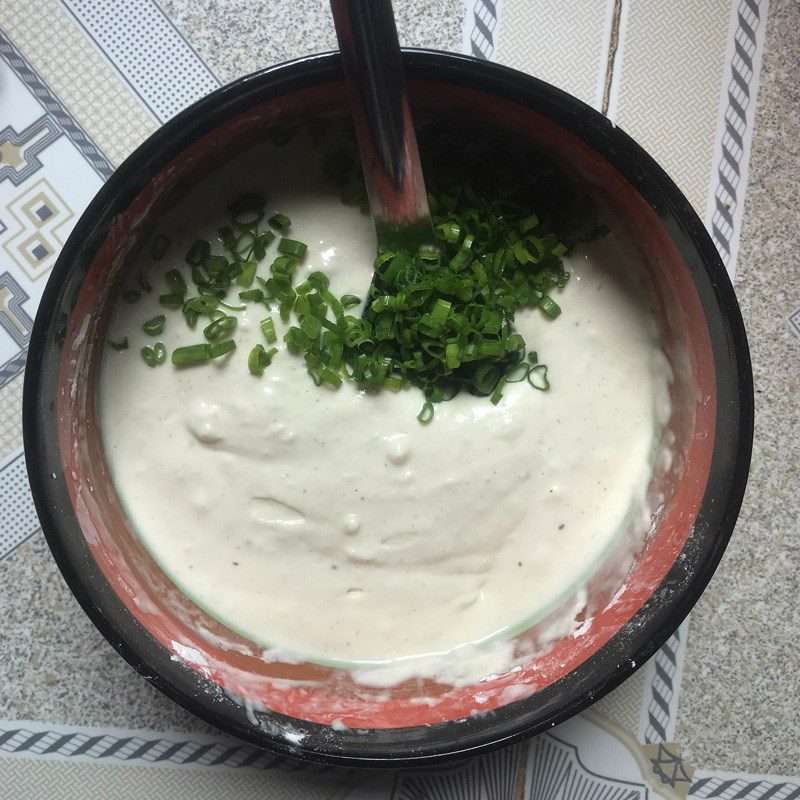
(330, 523)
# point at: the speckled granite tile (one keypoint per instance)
(60, 640)
(739, 707)
(235, 39)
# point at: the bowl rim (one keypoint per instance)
(517, 720)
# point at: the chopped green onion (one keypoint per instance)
(252, 294)
(264, 240)
(330, 377)
(175, 282)
(245, 244)
(247, 275)
(497, 394)
(291, 247)
(452, 355)
(191, 354)
(232, 308)
(228, 238)
(441, 311)
(350, 300)
(198, 252)
(268, 328)
(221, 348)
(426, 414)
(118, 346)
(247, 209)
(549, 306)
(191, 317)
(171, 300)
(204, 304)
(449, 231)
(154, 326)
(537, 377)
(518, 373)
(441, 317)
(219, 327)
(259, 359)
(429, 252)
(155, 355)
(280, 222)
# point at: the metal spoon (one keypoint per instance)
(376, 86)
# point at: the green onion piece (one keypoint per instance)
(259, 359)
(518, 373)
(311, 326)
(191, 317)
(191, 354)
(245, 244)
(159, 247)
(247, 209)
(252, 294)
(291, 247)
(155, 326)
(349, 300)
(497, 394)
(280, 222)
(449, 231)
(247, 275)
(131, 295)
(204, 304)
(330, 377)
(426, 414)
(228, 238)
(537, 377)
(268, 328)
(549, 306)
(221, 348)
(153, 356)
(429, 252)
(213, 275)
(219, 327)
(441, 311)
(198, 252)
(175, 282)
(118, 346)
(264, 240)
(232, 308)
(171, 300)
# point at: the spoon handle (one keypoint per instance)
(376, 86)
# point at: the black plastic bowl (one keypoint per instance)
(628, 615)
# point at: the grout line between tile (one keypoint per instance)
(613, 46)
